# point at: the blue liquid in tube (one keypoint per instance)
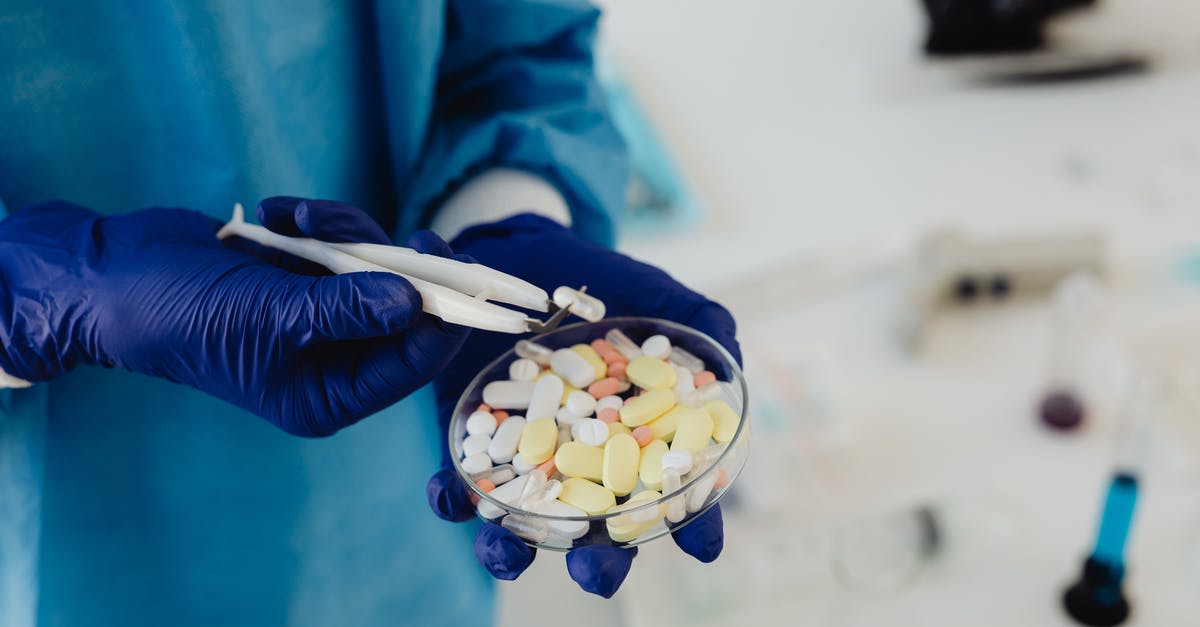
(1116, 520)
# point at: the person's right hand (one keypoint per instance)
(155, 292)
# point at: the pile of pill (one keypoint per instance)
(606, 427)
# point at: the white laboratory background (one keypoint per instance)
(823, 146)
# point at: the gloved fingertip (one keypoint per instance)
(277, 213)
(704, 537)
(715, 320)
(501, 552)
(448, 496)
(429, 243)
(600, 569)
(334, 221)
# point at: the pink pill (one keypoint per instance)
(500, 416)
(643, 435)
(486, 485)
(609, 415)
(604, 387)
(722, 479)
(548, 467)
(704, 377)
(483, 407)
(607, 352)
(617, 369)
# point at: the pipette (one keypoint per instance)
(1097, 599)
(454, 291)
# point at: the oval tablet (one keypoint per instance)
(651, 466)
(587, 496)
(508, 394)
(590, 355)
(538, 439)
(543, 402)
(642, 409)
(621, 455)
(572, 367)
(650, 373)
(725, 420)
(504, 442)
(694, 431)
(578, 460)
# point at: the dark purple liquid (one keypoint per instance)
(1061, 410)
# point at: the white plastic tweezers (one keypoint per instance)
(454, 291)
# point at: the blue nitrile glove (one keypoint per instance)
(548, 255)
(155, 292)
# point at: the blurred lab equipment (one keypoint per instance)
(952, 268)
(983, 26)
(1073, 322)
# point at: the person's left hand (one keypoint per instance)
(548, 255)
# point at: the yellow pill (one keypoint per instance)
(587, 496)
(725, 420)
(621, 454)
(650, 373)
(538, 439)
(647, 407)
(616, 427)
(592, 357)
(626, 527)
(665, 425)
(576, 459)
(650, 469)
(694, 432)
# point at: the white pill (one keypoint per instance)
(508, 394)
(678, 460)
(566, 529)
(573, 367)
(610, 402)
(521, 466)
(523, 370)
(592, 432)
(581, 403)
(684, 382)
(675, 506)
(547, 393)
(535, 352)
(502, 474)
(507, 493)
(698, 495)
(476, 464)
(475, 444)
(657, 346)
(481, 423)
(567, 417)
(505, 440)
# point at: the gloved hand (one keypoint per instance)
(155, 292)
(548, 255)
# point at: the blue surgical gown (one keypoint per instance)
(126, 500)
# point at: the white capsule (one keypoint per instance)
(505, 440)
(534, 352)
(657, 346)
(675, 507)
(623, 344)
(679, 460)
(508, 394)
(475, 444)
(686, 360)
(610, 402)
(572, 367)
(532, 529)
(579, 303)
(521, 466)
(507, 494)
(481, 423)
(705, 393)
(477, 464)
(523, 370)
(502, 474)
(547, 392)
(684, 382)
(698, 495)
(592, 432)
(581, 403)
(566, 417)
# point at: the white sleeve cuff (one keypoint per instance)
(9, 381)
(497, 194)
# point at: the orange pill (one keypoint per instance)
(643, 434)
(617, 369)
(604, 387)
(704, 377)
(609, 415)
(500, 416)
(486, 485)
(483, 407)
(722, 479)
(606, 351)
(548, 467)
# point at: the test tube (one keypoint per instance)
(1074, 308)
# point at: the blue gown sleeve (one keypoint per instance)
(515, 88)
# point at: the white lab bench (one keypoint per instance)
(816, 131)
